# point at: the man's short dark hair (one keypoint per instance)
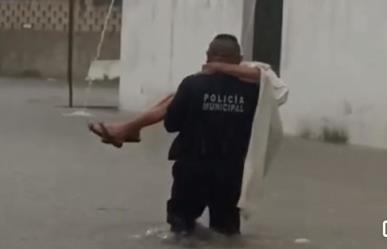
(225, 45)
(228, 37)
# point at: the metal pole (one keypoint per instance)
(268, 42)
(70, 51)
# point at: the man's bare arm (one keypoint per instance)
(244, 72)
(251, 73)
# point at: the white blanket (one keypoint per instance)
(265, 139)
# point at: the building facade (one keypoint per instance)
(331, 53)
(34, 30)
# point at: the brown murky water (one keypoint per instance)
(60, 188)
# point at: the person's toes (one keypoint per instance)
(108, 137)
(93, 128)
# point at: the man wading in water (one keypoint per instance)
(213, 115)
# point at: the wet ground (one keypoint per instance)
(61, 189)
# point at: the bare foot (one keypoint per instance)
(115, 134)
(124, 132)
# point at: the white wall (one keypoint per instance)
(165, 40)
(334, 55)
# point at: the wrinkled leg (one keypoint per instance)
(130, 131)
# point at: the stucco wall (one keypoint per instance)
(34, 36)
(44, 53)
(333, 59)
(163, 41)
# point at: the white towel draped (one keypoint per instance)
(265, 139)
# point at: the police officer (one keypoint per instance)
(213, 115)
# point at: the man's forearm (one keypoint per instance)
(250, 74)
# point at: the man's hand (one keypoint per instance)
(213, 67)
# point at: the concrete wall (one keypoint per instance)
(53, 15)
(44, 53)
(34, 36)
(334, 54)
(164, 41)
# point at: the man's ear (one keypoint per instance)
(209, 59)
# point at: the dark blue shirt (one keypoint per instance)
(213, 115)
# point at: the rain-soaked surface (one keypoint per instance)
(61, 189)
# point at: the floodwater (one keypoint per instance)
(62, 189)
